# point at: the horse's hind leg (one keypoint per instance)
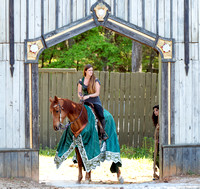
(80, 164)
(120, 178)
(88, 177)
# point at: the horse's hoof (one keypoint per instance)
(78, 182)
(87, 181)
(121, 179)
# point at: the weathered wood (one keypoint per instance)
(141, 107)
(52, 134)
(116, 98)
(166, 162)
(27, 159)
(122, 137)
(20, 165)
(44, 119)
(197, 160)
(172, 161)
(2, 104)
(11, 35)
(7, 165)
(112, 90)
(186, 160)
(164, 105)
(127, 108)
(35, 166)
(180, 23)
(136, 104)
(26, 86)
(106, 88)
(179, 160)
(150, 14)
(14, 164)
(194, 28)
(172, 93)
(102, 79)
(131, 128)
(1, 165)
(167, 17)
(16, 116)
(3, 21)
(148, 109)
(35, 106)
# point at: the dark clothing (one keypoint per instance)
(93, 100)
(99, 111)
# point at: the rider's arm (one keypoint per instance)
(80, 91)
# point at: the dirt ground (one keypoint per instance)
(133, 172)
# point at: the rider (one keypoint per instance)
(90, 86)
(155, 119)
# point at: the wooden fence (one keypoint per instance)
(129, 97)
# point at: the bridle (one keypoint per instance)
(61, 125)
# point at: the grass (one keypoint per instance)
(146, 151)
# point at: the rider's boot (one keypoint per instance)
(104, 135)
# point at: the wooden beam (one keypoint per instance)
(11, 35)
(30, 106)
(186, 35)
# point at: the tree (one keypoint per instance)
(136, 57)
(104, 49)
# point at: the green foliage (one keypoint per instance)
(149, 59)
(137, 153)
(50, 152)
(104, 49)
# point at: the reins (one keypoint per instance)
(64, 127)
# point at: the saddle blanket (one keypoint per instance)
(92, 150)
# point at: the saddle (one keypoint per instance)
(99, 126)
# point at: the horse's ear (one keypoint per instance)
(50, 99)
(55, 99)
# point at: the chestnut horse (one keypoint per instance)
(77, 114)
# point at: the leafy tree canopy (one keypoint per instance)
(104, 49)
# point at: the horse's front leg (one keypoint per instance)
(80, 165)
(88, 177)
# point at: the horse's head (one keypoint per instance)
(57, 112)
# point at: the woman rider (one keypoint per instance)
(90, 86)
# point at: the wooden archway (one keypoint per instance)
(101, 16)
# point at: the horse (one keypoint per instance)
(79, 115)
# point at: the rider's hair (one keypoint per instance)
(154, 117)
(91, 85)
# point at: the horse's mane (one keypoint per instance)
(74, 108)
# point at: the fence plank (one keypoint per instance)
(141, 107)
(147, 129)
(122, 136)
(112, 90)
(131, 127)
(127, 107)
(116, 98)
(102, 80)
(44, 109)
(106, 89)
(52, 134)
(136, 104)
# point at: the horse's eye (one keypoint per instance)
(56, 111)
